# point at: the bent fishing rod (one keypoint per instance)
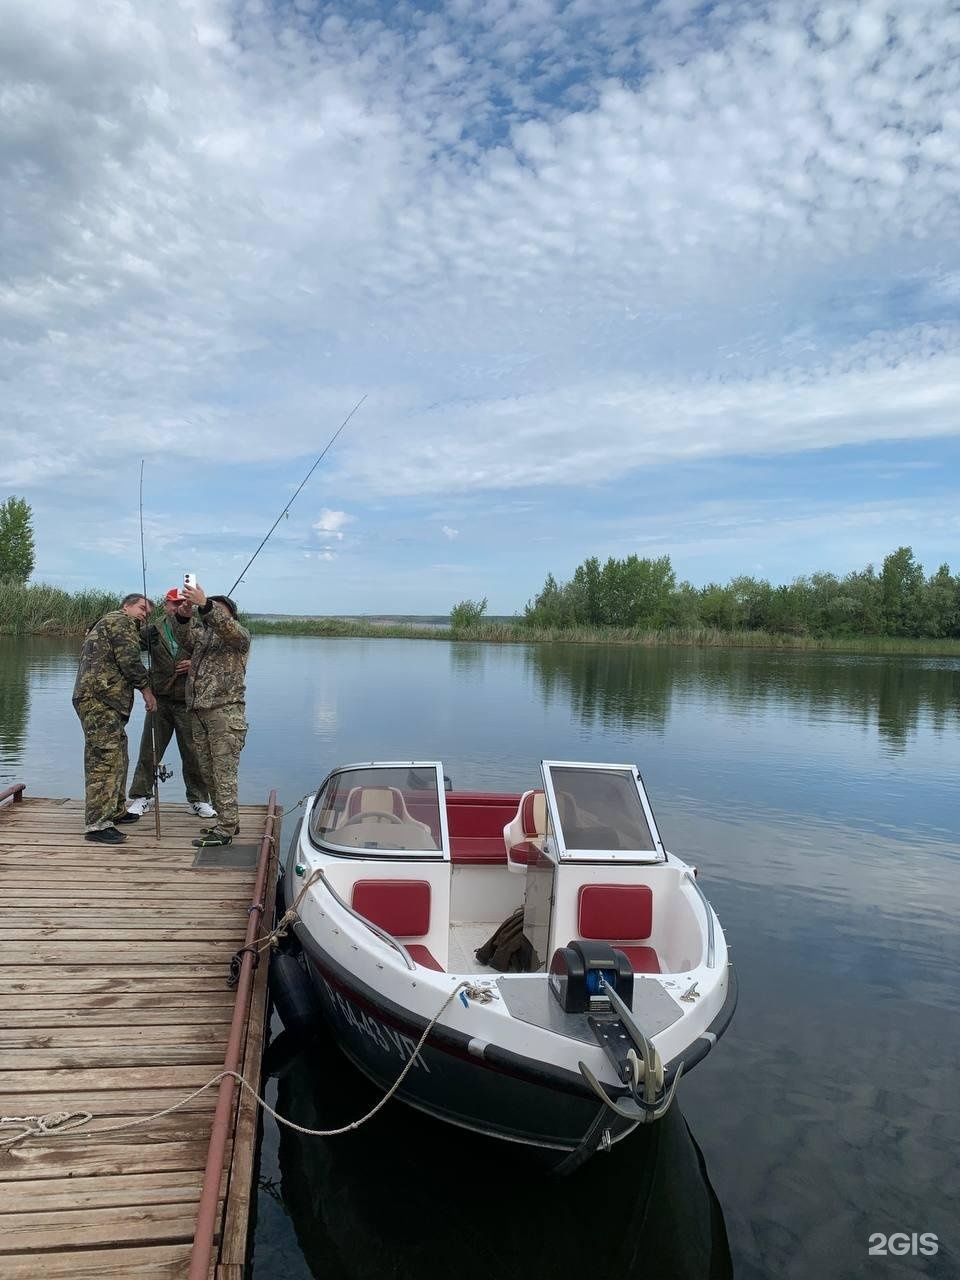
(299, 487)
(151, 716)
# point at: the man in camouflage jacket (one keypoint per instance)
(110, 669)
(215, 695)
(168, 666)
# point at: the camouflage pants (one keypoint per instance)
(104, 762)
(171, 717)
(218, 736)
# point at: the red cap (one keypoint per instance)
(173, 594)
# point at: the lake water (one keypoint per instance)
(818, 796)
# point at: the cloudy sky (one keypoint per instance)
(614, 277)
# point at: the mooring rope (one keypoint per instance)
(279, 930)
(57, 1123)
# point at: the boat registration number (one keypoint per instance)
(385, 1038)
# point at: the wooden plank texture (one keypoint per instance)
(113, 1001)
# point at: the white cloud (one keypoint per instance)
(555, 244)
(450, 533)
(332, 523)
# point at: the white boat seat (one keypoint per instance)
(523, 834)
(378, 830)
(375, 800)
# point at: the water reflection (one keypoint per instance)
(14, 704)
(409, 1198)
(633, 686)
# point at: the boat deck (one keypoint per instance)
(114, 1001)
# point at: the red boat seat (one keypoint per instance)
(402, 909)
(621, 914)
(642, 959)
(420, 955)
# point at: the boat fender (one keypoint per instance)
(293, 996)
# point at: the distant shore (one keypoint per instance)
(41, 610)
(517, 633)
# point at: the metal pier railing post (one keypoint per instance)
(219, 1133)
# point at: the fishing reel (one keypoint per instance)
(163, 773)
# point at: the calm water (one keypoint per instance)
(818, 796)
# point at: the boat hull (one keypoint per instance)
(478, 1086)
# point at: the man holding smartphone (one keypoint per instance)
(216, 698)
(169, 664)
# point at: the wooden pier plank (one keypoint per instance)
(102, 1193)
(169, 1262)
(113, 1000)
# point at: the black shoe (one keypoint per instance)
(212, 841)
(109, 835)
(127, 817)
(215, 831)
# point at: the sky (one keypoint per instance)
(663, 278)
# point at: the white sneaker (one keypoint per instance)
(140, 806)
(202, 809)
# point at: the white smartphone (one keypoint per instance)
(189, 580)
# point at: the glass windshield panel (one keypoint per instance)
(385, 810)
(600, 809)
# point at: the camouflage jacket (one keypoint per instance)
(218, 651)
(110, 664)
(163, 661)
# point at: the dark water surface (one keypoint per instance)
(818, 795)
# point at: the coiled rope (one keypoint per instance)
(55, 1124)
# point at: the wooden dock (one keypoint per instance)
(114, 1001)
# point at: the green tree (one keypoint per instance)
(718, 607)
(550, 607)
(901, 593)
(683, 608)
(941, 604)
(16, 540)
(864, 589)
(467, 613)
(584, 593)
(754, 602)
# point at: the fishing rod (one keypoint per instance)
(151, 716)
(299, 487)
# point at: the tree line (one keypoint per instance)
(16, 540)
(644, 595)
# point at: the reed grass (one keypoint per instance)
(37, 609)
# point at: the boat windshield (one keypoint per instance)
(381, 809)
(601, 810)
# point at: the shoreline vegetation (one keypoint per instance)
(41, 610)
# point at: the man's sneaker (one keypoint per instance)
(214, 831)
(201, 809)
(140, 805)
(109, 835)
(127, 817)
(215, 840)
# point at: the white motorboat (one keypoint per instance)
(396, 883)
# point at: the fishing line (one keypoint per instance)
(150, 714)
(299, 487)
